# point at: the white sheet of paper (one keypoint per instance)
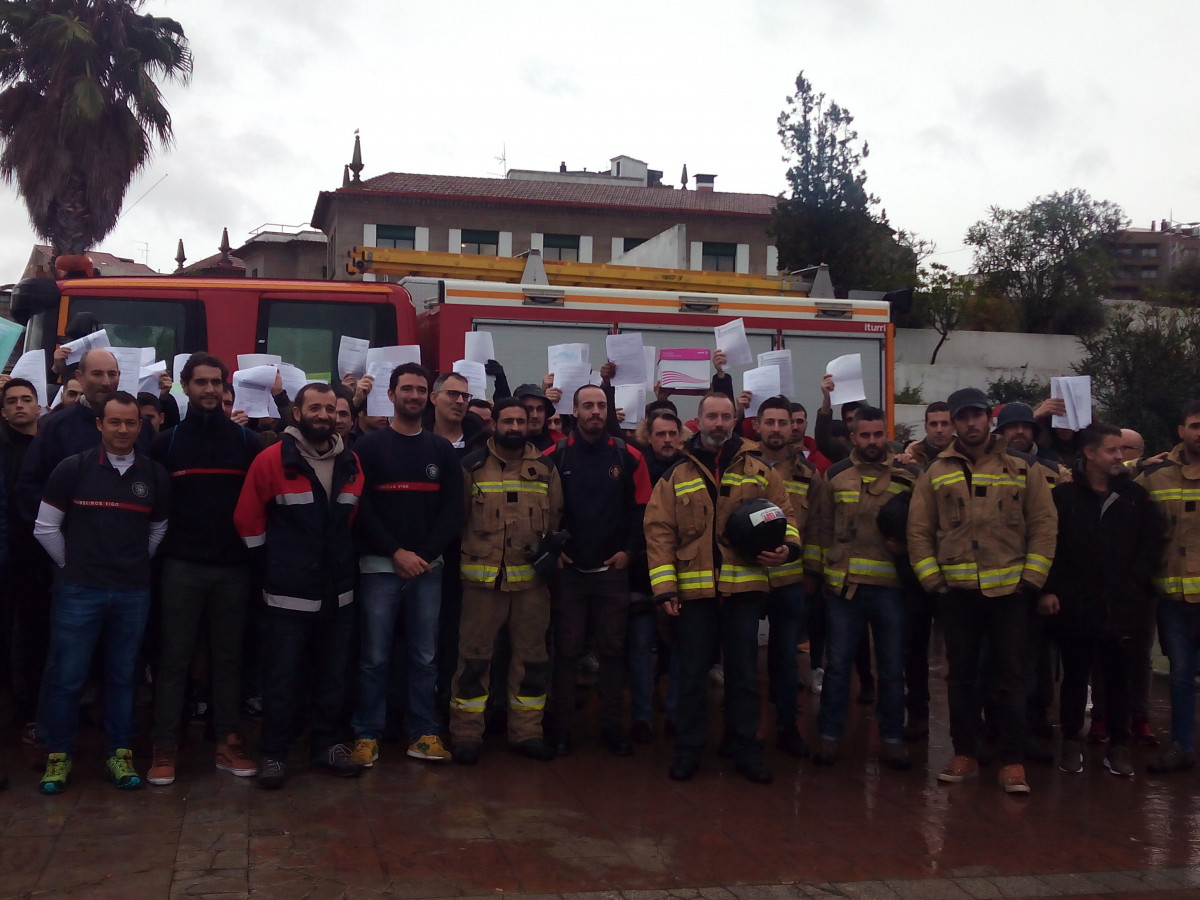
(177, 365)
(148, 376)
(253, 360)
(570, 378)
(253, 391)
(380, 362)
(762, 383)
(567, 355)
(10, 333)
(293, 379)
(478, 347)
(782, 359)
(352, 356)
(129, 361)
(476, 376)
(731, 337)
(650, 354)
(80, 346)
(626, 353)
(149, 355)
(632, 399)
(32, 367)
(1076, 392)
(847, 379)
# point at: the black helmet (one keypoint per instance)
(756, 525)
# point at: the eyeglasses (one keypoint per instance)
(457, 395)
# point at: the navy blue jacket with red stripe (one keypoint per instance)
(310, 564)
(606, 486)
(414, 494)
(207, 457)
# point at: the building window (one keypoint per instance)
(718, 257)
(564, 247)
(396, 237)
(630, 243)
(1149, 272)
(1124, 250)
(480, 243)
(1149, 252)
(1124, 273)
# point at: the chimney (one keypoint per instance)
(705, 183)
(562, 167)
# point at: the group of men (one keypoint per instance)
(481, 532)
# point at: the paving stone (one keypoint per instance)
(928, 889)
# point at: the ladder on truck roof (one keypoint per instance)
(534, 270)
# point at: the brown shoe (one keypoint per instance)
(231, 757)
(162, 766)
(1012, 779)
(960, 769)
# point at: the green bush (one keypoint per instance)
(1017, 390)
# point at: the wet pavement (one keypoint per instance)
(592, 825)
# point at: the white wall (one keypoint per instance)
(975, 358)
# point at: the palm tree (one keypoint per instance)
(80, 109)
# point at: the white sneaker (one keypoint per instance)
(818, 679)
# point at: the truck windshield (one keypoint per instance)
(307, 333)
(161, 324)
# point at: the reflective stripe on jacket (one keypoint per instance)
(510, 507)
(852, 545)
(802, 482)
(982, 525)
(1175, 486)
(685, 531)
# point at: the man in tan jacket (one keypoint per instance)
(514, 503)
(716, 593)
(981, 535)
(862, 585)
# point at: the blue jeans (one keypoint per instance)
(785, 613)
(846, 618)
(383, 599)
(1179, 634)
(640, 643)
(81, 615)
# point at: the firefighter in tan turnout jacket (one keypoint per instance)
(716, 593)
(981, 535)
(1174, 484)
(514, 504)
(862, 585)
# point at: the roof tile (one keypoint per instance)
(556, 192)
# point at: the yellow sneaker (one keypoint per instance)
(366, 751)
(429, 747)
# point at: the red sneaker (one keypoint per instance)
(1098, 733)
(1141, 732)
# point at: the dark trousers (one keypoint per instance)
(817, 629)
(969, 620)
(188, 591)
(916, 654)
(785, 613)
(704, 625)
(1040, 666)
(601, 598)
(287, 663)
(1116, 658)
(27, 579)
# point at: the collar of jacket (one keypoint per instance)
(995, 446)
(731, 452)
(1117, 483)
(1191, 471)
(605, 440)
(529, 452)
(205, 418)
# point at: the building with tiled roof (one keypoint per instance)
(585, 216)
(39, 263)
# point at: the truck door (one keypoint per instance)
(306, 332)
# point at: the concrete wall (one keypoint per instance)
(974, 358)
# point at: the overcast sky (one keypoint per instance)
(965, 105)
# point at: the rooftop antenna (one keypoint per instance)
(503, 160)
(143, 247)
